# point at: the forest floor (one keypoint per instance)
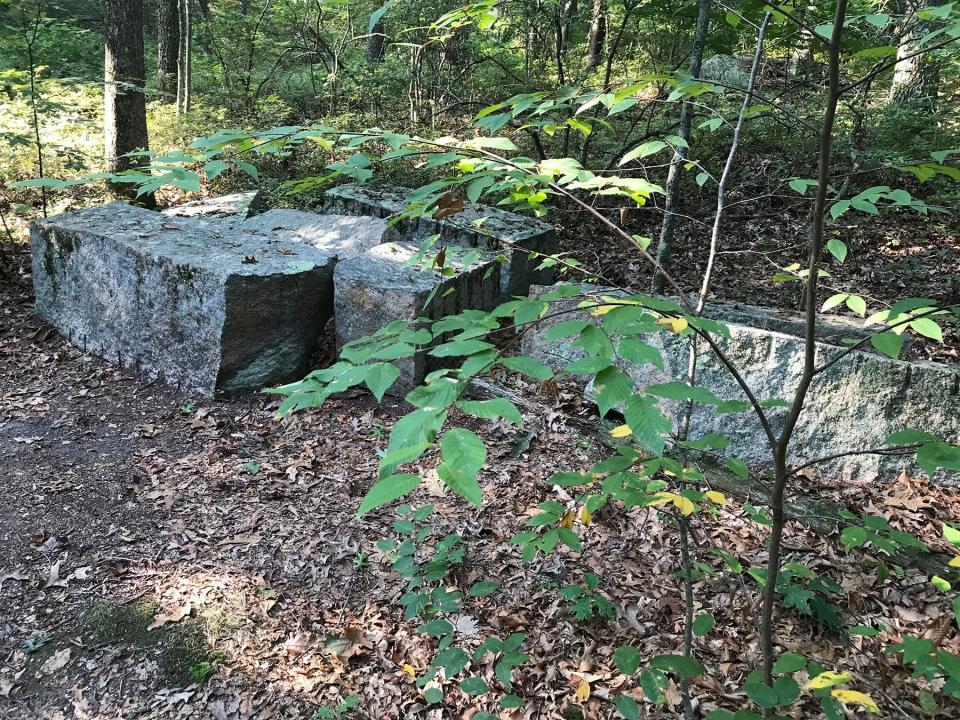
(890, 257)
(168, 557)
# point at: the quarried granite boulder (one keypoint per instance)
(180, 300)
(340, 235)
(854, 405)
(387, 284)
(225, 209)
(481, 226)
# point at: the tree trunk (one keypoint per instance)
(168, 48)
(598, 34)
(376, 44)
(125, 106)
(917, 78)
(672, 190)
(184, 61)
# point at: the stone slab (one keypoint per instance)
(180, 300)
(380, 286)
(482, 226)
(343, 236)
(854, 405)
(226, 209)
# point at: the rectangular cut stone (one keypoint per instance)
(177, 299)
(342, 236)
(225, 209)
(481, 226)
(854, 405)
(378, 287)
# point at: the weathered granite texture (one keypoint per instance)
(854, 405)
(481, 226)
(726, 70)
(177, 299)
(380, 286)
(341, 235)
(225, 209)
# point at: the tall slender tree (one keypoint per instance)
(168, 48)
(125, 106)
(672, 200)
(184, 59)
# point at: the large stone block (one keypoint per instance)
(224, 209)
(382, 285)
(856, 404)
(481, 226)
(178, 299)
(343, 236)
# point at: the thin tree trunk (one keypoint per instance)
(168, 48)
(125, 107)
(781, 472)
(597, 36)
(184, 60)
(34, 101)
(672, 190)
(707, 282)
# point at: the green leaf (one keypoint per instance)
(527, 366)
(491, 409)
(214, 168)
(463, 455)
(433, 695)
(474, 686)
(626, 659)
(928, 328)
(889, 343)
(647, 422)
(789, 663)
(837, 248)
(627, 707)
(436, 628)
(635, 351)
(857, 304)
(377, 15)
(611, 387)
(908, 436)
(682, 665)
(483, 588)
(654, 682)
(703, 624)
(853, 536)
(509, 702)
(737, 467)
(647, 148)
(387, 490)
(379, 378)
(460, 347)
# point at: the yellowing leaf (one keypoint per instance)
(716, 497)
(409, 670)
(602, 309)
(673, 324)
(827, 679)
(684, 505)
(662, 498)
(852, 696)
(568, 519)
(583, 691)
(586, 517)
(955, 562)
(621, 431)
